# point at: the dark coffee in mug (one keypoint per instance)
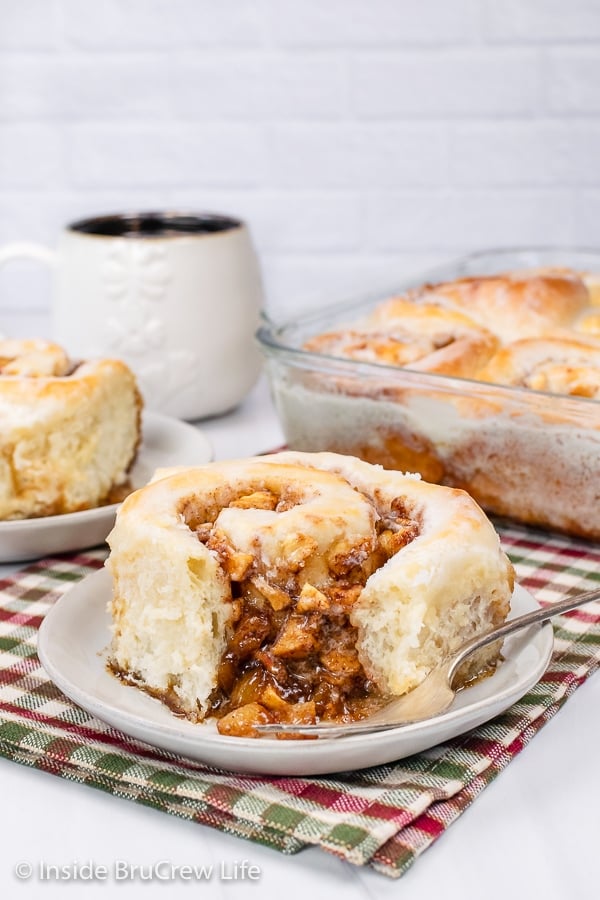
(177, 295)
(154, 225)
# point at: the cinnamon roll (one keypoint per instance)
(68, 432)
(558, 365)
(513, 305)
(298, 587)
(425, 338)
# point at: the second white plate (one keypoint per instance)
(165, 442)
(73, 643)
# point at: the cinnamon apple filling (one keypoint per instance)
(290, 653)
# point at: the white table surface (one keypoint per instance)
(534, 832)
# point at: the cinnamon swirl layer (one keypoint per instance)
(425, 338)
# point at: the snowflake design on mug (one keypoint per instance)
(136, 277)
(136, 280)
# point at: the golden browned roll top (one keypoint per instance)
(32, 358)
(68, 432)
(424, 337)
(521, 304)
(537, 328)
(558, 365)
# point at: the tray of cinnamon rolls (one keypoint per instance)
(483, 375)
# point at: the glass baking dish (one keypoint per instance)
(528, 455)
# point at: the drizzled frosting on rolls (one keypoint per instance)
(296, 587)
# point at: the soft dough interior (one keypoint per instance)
(298, 588)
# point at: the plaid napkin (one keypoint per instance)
(384, 817)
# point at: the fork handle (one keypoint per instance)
(533, 618)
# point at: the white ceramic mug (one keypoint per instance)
(175, 295)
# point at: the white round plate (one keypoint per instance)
(165, 442)
(73, 643)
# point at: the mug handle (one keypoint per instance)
(27, 250)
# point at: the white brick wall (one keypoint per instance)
(361, 139)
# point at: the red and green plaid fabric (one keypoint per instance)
(383, 817)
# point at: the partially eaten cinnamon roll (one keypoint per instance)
(69, 432)
(297, 588)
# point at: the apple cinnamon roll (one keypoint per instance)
(297, 588)
(68, 432)
(523, 304)
(424, 338)
(558, 365)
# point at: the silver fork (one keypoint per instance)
(435, 694)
